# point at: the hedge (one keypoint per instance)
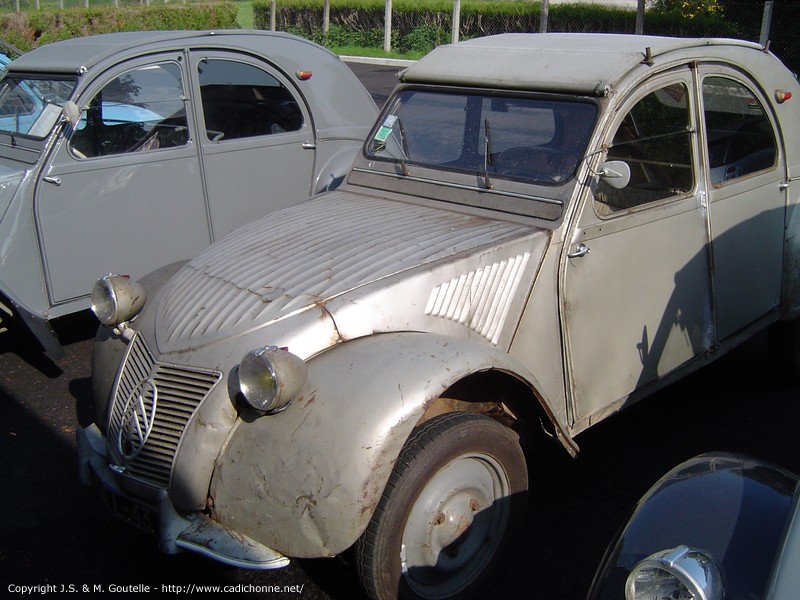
(28, 30)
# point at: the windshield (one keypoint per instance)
(532, 139)
(31, 106)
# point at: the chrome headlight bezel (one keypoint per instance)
(270, 378)
(117, 299)
(680, 568)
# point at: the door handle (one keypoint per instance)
(54, 180)
(580, 250)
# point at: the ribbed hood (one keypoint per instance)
(302, 258)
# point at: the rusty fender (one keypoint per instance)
(306, 481)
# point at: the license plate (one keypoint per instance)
(140, 516)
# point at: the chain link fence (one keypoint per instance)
(754, 20)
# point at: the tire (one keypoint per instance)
(448, 514)
(6, 316)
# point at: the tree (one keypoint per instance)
(688, 8)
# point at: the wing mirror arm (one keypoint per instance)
(615, 173)
(71, 113)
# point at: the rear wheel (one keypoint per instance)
(5, 318)
(448, 514)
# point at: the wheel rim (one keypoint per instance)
(5, 318)
(455, 526)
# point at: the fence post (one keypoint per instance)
(766, 23)
(455, 27)
(326, 17)
(640, 17)
(543, 18)
(272, 18)
(387, 26)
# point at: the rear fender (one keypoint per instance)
(336, 158)
(307, 480)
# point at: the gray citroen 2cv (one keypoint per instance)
(539, 230)
(133, 150)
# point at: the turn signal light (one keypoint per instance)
(782, 96)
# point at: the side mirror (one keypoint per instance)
(71, 112)
(615, 173)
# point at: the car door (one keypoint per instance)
(122, 191)
(746, 167)
(635, 289)
(257, 138)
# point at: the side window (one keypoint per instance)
(654, 138)
(142, 109)
(740, 136)
(241, 101)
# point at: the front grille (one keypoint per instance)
(165, 394)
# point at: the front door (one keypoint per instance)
(635, 292)
(257, 138)
(122, 193)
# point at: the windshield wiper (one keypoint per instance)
(487, 154)
(387, 131)
(403, 147)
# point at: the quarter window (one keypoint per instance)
(142, 109)
(242, 101)
(740, 137)
(654, 139)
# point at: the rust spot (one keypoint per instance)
(321, 305)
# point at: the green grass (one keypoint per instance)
(245, 15)
(374, 52)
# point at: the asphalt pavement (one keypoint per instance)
(59, 541)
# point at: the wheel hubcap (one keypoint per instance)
(455, 525)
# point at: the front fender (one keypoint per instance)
(335, 157)
(731, 507)
(307, 480)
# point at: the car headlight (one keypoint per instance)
(681, 574)
(270, 377)
(117, 299)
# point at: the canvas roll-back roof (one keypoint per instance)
(77, 55)
(583, 63)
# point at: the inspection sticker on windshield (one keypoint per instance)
(386, 128)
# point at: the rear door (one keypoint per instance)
(257, 138)
(746, 166)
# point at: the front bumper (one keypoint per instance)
(195, 532)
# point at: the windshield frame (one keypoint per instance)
(503, 195)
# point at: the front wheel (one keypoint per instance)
(448, 513)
